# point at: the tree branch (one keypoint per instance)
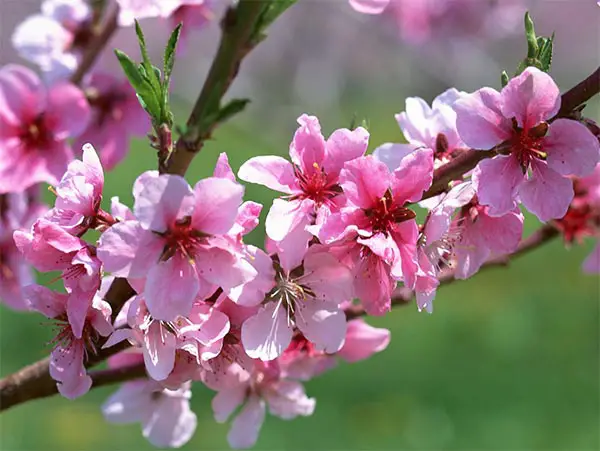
(403, 295)
(238, 26)
(467, 160)
(97, 45)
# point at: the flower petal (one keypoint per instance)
(323, 323)
(267, 334)
(362, 341)
(246, 426)
(216, 205)
(497, 182)
(571, 148)
(273, 172)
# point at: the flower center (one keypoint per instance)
(527, 145)
(385, 213)
(183, 238)
(316, 185)
(35, 135)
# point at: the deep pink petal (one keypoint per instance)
(531, 97)
(308, 145)
(164, 302)
(363, 340)
(413, 176)
(267, 334)
(497, 181)
(547, 194)
(22, 95)
(216, 205)
(344, 145)
(67, 113)
(364, 181)
(273, 172)
(479, 120)
(571, 148)
(128, 250)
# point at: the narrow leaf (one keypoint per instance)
(169, 57)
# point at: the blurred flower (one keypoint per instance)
(35, 124)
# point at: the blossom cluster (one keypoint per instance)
(253, 324)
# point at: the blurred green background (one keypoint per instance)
(508, 360)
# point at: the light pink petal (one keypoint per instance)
(329, 279)
(253, 292)
(222, 268)
(223, 169)
(227, 401)
(293, 247)
(323, 323)
(172, 424)
(273, 172)
(161, 199)
(382, 245)
(364, 181)
(267, 334)
(497, 181)
(128, 250)
(392, 154)
(164, 302)
(369, 6)
(571, 148)
(287, 400)
(426, 283)
(284, 216)
(49, 303)
(344, 145)
(547, 194)
(216, 205)
(209, 325)
(415, 122)
(131, 403)
(362, 341)
(479, 120)
(440, 216)
(413, 176)
(68, 112)
(246, 426)
(591, 265)
(118, 336)
(119, 210)
(159, 351)
(248, 218)
(531, 98)
(470, 254)
(66, 367)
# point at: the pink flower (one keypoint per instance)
(179, 239)
(67, 359)
(79, 194)
(55, 39)
(193, 15)
(376, 210)
(483, 236)
(311, 180)
(17, 211)
(34, 126)
(254, 392)
(363, 340)
(48, 247)
(537, 156)
(200, 334)
(142, 9)
(423, 126)
(369, 6)
(306, 297)
(165, 415)
(438, 238)
(114, 107)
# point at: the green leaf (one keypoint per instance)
(150, 72)
(546, 46)
(270, 13)
(138, 80)
(504, 78)
(169, 57)
(232, 108)
(532, 47)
